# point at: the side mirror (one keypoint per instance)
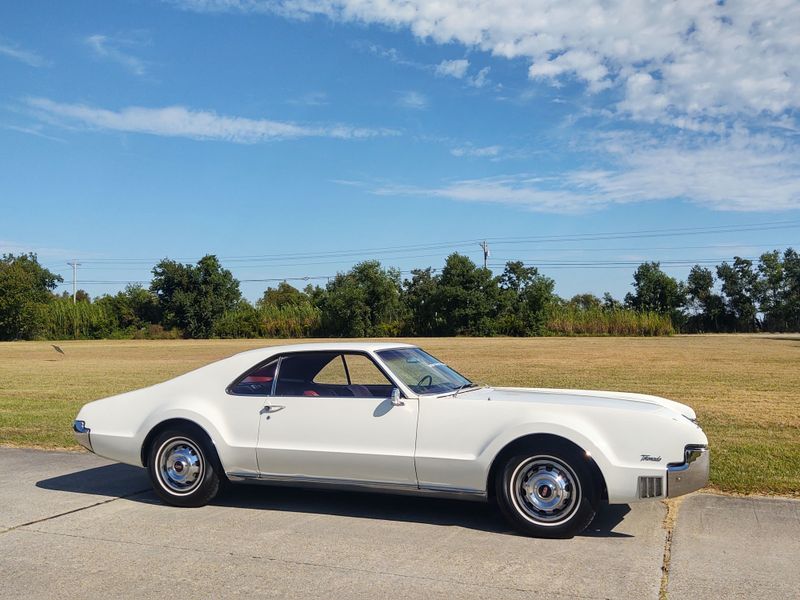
(396, 400)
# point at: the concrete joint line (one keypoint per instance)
(669, 527)
(73, 511)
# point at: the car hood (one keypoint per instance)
(587, 397)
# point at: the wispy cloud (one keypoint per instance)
(453, 68)
(413, 100)
(35, 130)
(459, 69)
(43, 251)
(310, 99)
(16, 52)
(766, 178)
(179, 121)
(476, 151)
(111, 48)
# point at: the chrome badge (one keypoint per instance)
(650, 458)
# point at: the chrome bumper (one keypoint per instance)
(82, 433)
(691, 474)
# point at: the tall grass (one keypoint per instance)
(269, 321)
(60, 319)
(567, 320)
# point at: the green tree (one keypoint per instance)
(364, 302)
(466, 297)
(525, 299)
(134, 307)
(284, 295)
(771, 291)
(656, 291)
(791, 302)
(193, 297)
(708, 307)
(24, 287)
(419, 296)
(610, 303)
(740, 286)
(585, 301)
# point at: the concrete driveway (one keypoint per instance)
(74, 525)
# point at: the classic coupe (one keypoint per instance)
(390, 417)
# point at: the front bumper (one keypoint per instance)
(82, 434)
(691, 474)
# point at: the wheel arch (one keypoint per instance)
(177, 423)
(540, 441)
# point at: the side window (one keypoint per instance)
(257, 382)
(364, 372)
(333, 373)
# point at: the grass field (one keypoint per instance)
(745, 389)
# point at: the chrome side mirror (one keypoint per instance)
(396, 400)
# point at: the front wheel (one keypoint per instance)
(183, 469)
(547, 494)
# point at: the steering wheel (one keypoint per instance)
(428, 377)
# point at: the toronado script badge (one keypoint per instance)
(650, 458)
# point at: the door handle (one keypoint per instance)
(272, 408)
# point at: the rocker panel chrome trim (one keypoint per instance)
(360, 486)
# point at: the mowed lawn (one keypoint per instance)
(745, 389)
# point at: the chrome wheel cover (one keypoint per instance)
(545, 490)
(180, 466)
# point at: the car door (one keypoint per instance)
(330, 418)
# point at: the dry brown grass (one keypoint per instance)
(745, 389)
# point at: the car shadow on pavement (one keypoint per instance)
(131, 482)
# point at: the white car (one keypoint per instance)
(390, 417)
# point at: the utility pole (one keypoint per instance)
(485, 246)
(74, 264)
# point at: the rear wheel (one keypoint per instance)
(183, 468)
(547, 494)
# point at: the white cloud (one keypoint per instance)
(109, 48)
(704, 58)
(412, 100)
(738, 173)
(453, 68)
(459, 69)
(480, 152)
(480, 79)
(179, 121)
(28, 57)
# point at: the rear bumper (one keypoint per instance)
(82, 434)
(691, 474)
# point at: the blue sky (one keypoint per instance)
(294, 138)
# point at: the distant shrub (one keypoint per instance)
(571, 320)
(61, 319)
(269, 321)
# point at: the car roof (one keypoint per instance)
(268, 351)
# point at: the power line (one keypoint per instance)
(375, 251)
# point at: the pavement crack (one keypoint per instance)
(73, 511)
(670, 518)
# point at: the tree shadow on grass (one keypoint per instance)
(123, 481)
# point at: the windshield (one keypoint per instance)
(421, 372)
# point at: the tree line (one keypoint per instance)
(204, 300)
